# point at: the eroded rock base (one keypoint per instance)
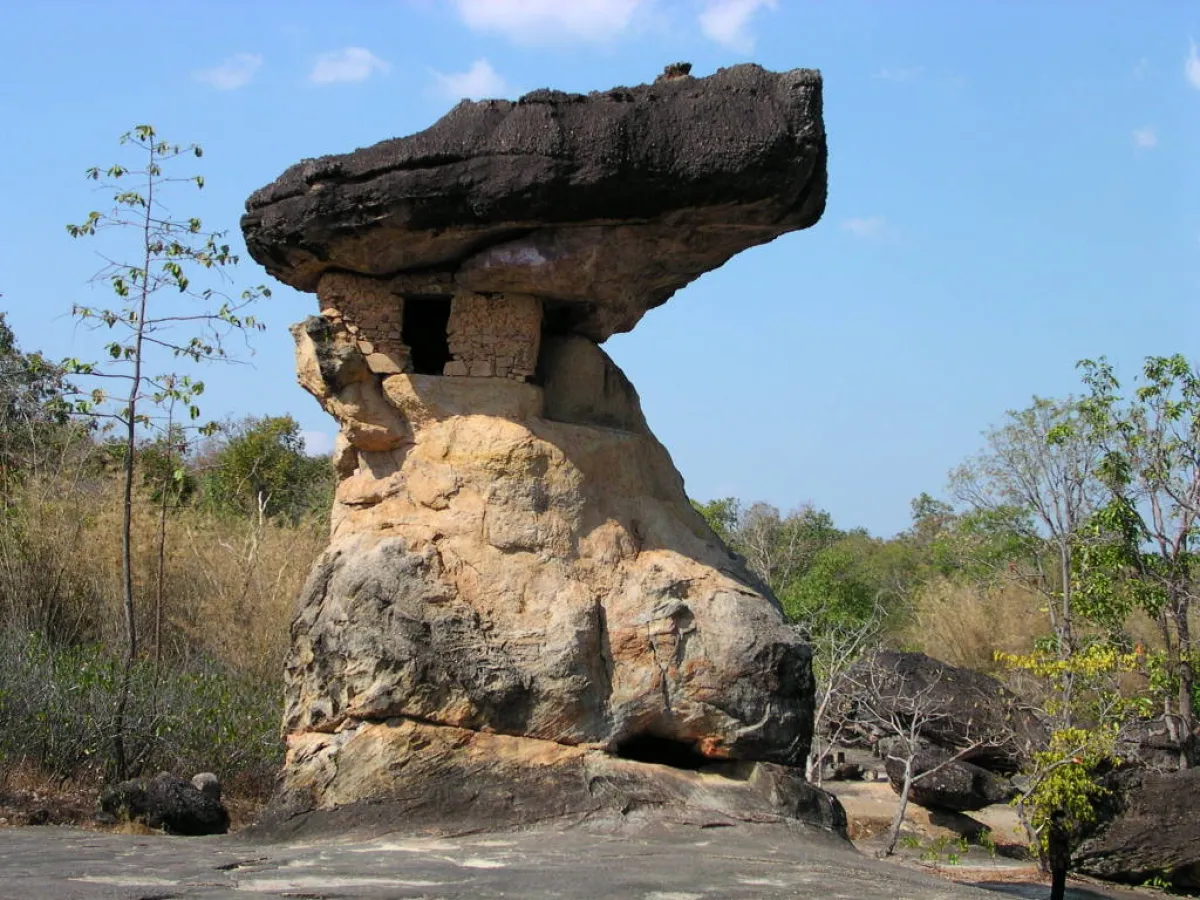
(413, 777)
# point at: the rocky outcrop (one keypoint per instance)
(1150, 743)
(1149, 829)
(520, 615)
(959, 708)
(454, 780)
(942, 782)
(602, 205)
(168, 802)
(970, 733)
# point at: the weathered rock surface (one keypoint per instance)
(1151, 829)
(1150, 743)
(960, 708)
(503, 572)
(168, 802)
(370, 777)
(604, 204)
(520, 615)
(958, 785)
(744, 862)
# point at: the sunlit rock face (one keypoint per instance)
(520, 615)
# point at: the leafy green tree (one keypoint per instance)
(1030, 492)
(165, 470)
(260, 469)
(160, 313)
(32, 416)
(1063, 779)
(837, 587)
(777, 548)
(1145, 548)
(721, 516)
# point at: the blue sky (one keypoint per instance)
(1013, 186)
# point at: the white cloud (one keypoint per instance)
(727, 21)
(347, 64)
(317, 443)
(1145, 138)
(235, 72)
(551, 21)
(900, 74)
(1191, 67)
(869, 227)
(479, 82)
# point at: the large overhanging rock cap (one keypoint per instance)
(601, 205)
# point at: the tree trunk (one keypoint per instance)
(901, 807)
(1058, 854)
(1187, 683)
(120, 751)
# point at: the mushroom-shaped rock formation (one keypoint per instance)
(520, 615)
(600, 206)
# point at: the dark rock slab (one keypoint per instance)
(619, 862)
(168, 802)
(958, 785)
(605, 203)
(962, 707)
(1150, 743)
(1152, 829)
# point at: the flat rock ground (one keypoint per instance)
(648, 863)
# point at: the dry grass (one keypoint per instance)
(227, 591)
(966, 625)
(213, 634)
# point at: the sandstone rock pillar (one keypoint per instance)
(520, 616)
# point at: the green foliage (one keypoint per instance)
(167, 253)
(1065, 779)
(721, 516)
(164, 468)
(33, 422)
(158, 312)
(57, 711)
(777, 548)
(259, 468)
(848, 582)
(1087, 701)
(1144, 551)
(1161, 882)
(945, 848)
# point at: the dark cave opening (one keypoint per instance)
(649, 748)
(424, 331)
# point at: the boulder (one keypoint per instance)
(961, 707)
(1149, 829)
(603, 204)
(167, 802)
(1151, 744)
(958, 785)
(520, 615)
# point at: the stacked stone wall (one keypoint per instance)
(488, 337)
(494, 336)
(372, 313)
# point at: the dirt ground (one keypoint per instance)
(930, 841)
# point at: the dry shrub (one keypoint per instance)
(49, 583)
(207, 691)
(232, 587)
(227, 590)
(965, 624)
